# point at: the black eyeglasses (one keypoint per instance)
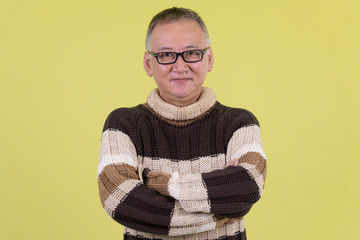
(189, 56)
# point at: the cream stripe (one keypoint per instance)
(206, 101)
(233, 228)
(196, 205)
(187, 187)
(244, 140)
(107, 159)
(119, 195)
(116, 148)
(249, 148)
(226, 230)
(247, 134)
(191, 191)
(192, 229)
(202, 164)
(180, 217)
(242, 225)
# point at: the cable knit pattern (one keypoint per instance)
(163, 170)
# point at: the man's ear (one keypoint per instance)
(210, 59)
(147, 66)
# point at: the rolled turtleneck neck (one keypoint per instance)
(203, 104)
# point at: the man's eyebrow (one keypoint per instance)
(191, 46)
(164, 48)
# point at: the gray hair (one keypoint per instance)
(173, 15)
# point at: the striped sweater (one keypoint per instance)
(163, 170)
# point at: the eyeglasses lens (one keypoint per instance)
(189, 56)
(166, 57)
(193, 56)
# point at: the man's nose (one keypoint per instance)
(180, 65)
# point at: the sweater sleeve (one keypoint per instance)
(129, 202)
(229, 192)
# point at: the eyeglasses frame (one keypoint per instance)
(180, 54)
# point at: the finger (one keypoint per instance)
(234, 162)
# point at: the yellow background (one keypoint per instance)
(64, 65)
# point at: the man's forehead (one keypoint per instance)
(181, 34)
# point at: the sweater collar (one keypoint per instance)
(206, 101)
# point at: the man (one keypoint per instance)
(180, 166)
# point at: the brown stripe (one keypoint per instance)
(159, 181)
(220, 222)
(112, 176)
(264, 172)
(233, 220)
(256, 159)
(103, 192)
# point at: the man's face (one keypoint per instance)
(179, 83)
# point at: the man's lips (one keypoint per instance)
(180, 79)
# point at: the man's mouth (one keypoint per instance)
(180, 79)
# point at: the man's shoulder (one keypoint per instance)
(237, 115)
(120, 117)
(125, 111)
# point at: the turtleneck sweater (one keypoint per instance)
(164, 171)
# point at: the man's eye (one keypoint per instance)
(192, 53)
(165, 55)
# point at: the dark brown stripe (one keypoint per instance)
(231, 190)
(155, 137)
(145, 210)
(241, 213)
(140, 225)
(227, 176)
(149, 201)
(234, 189)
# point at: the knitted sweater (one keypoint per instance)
(163, 170)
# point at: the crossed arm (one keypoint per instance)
(131, 203)
(180, 204)
(229, 192)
